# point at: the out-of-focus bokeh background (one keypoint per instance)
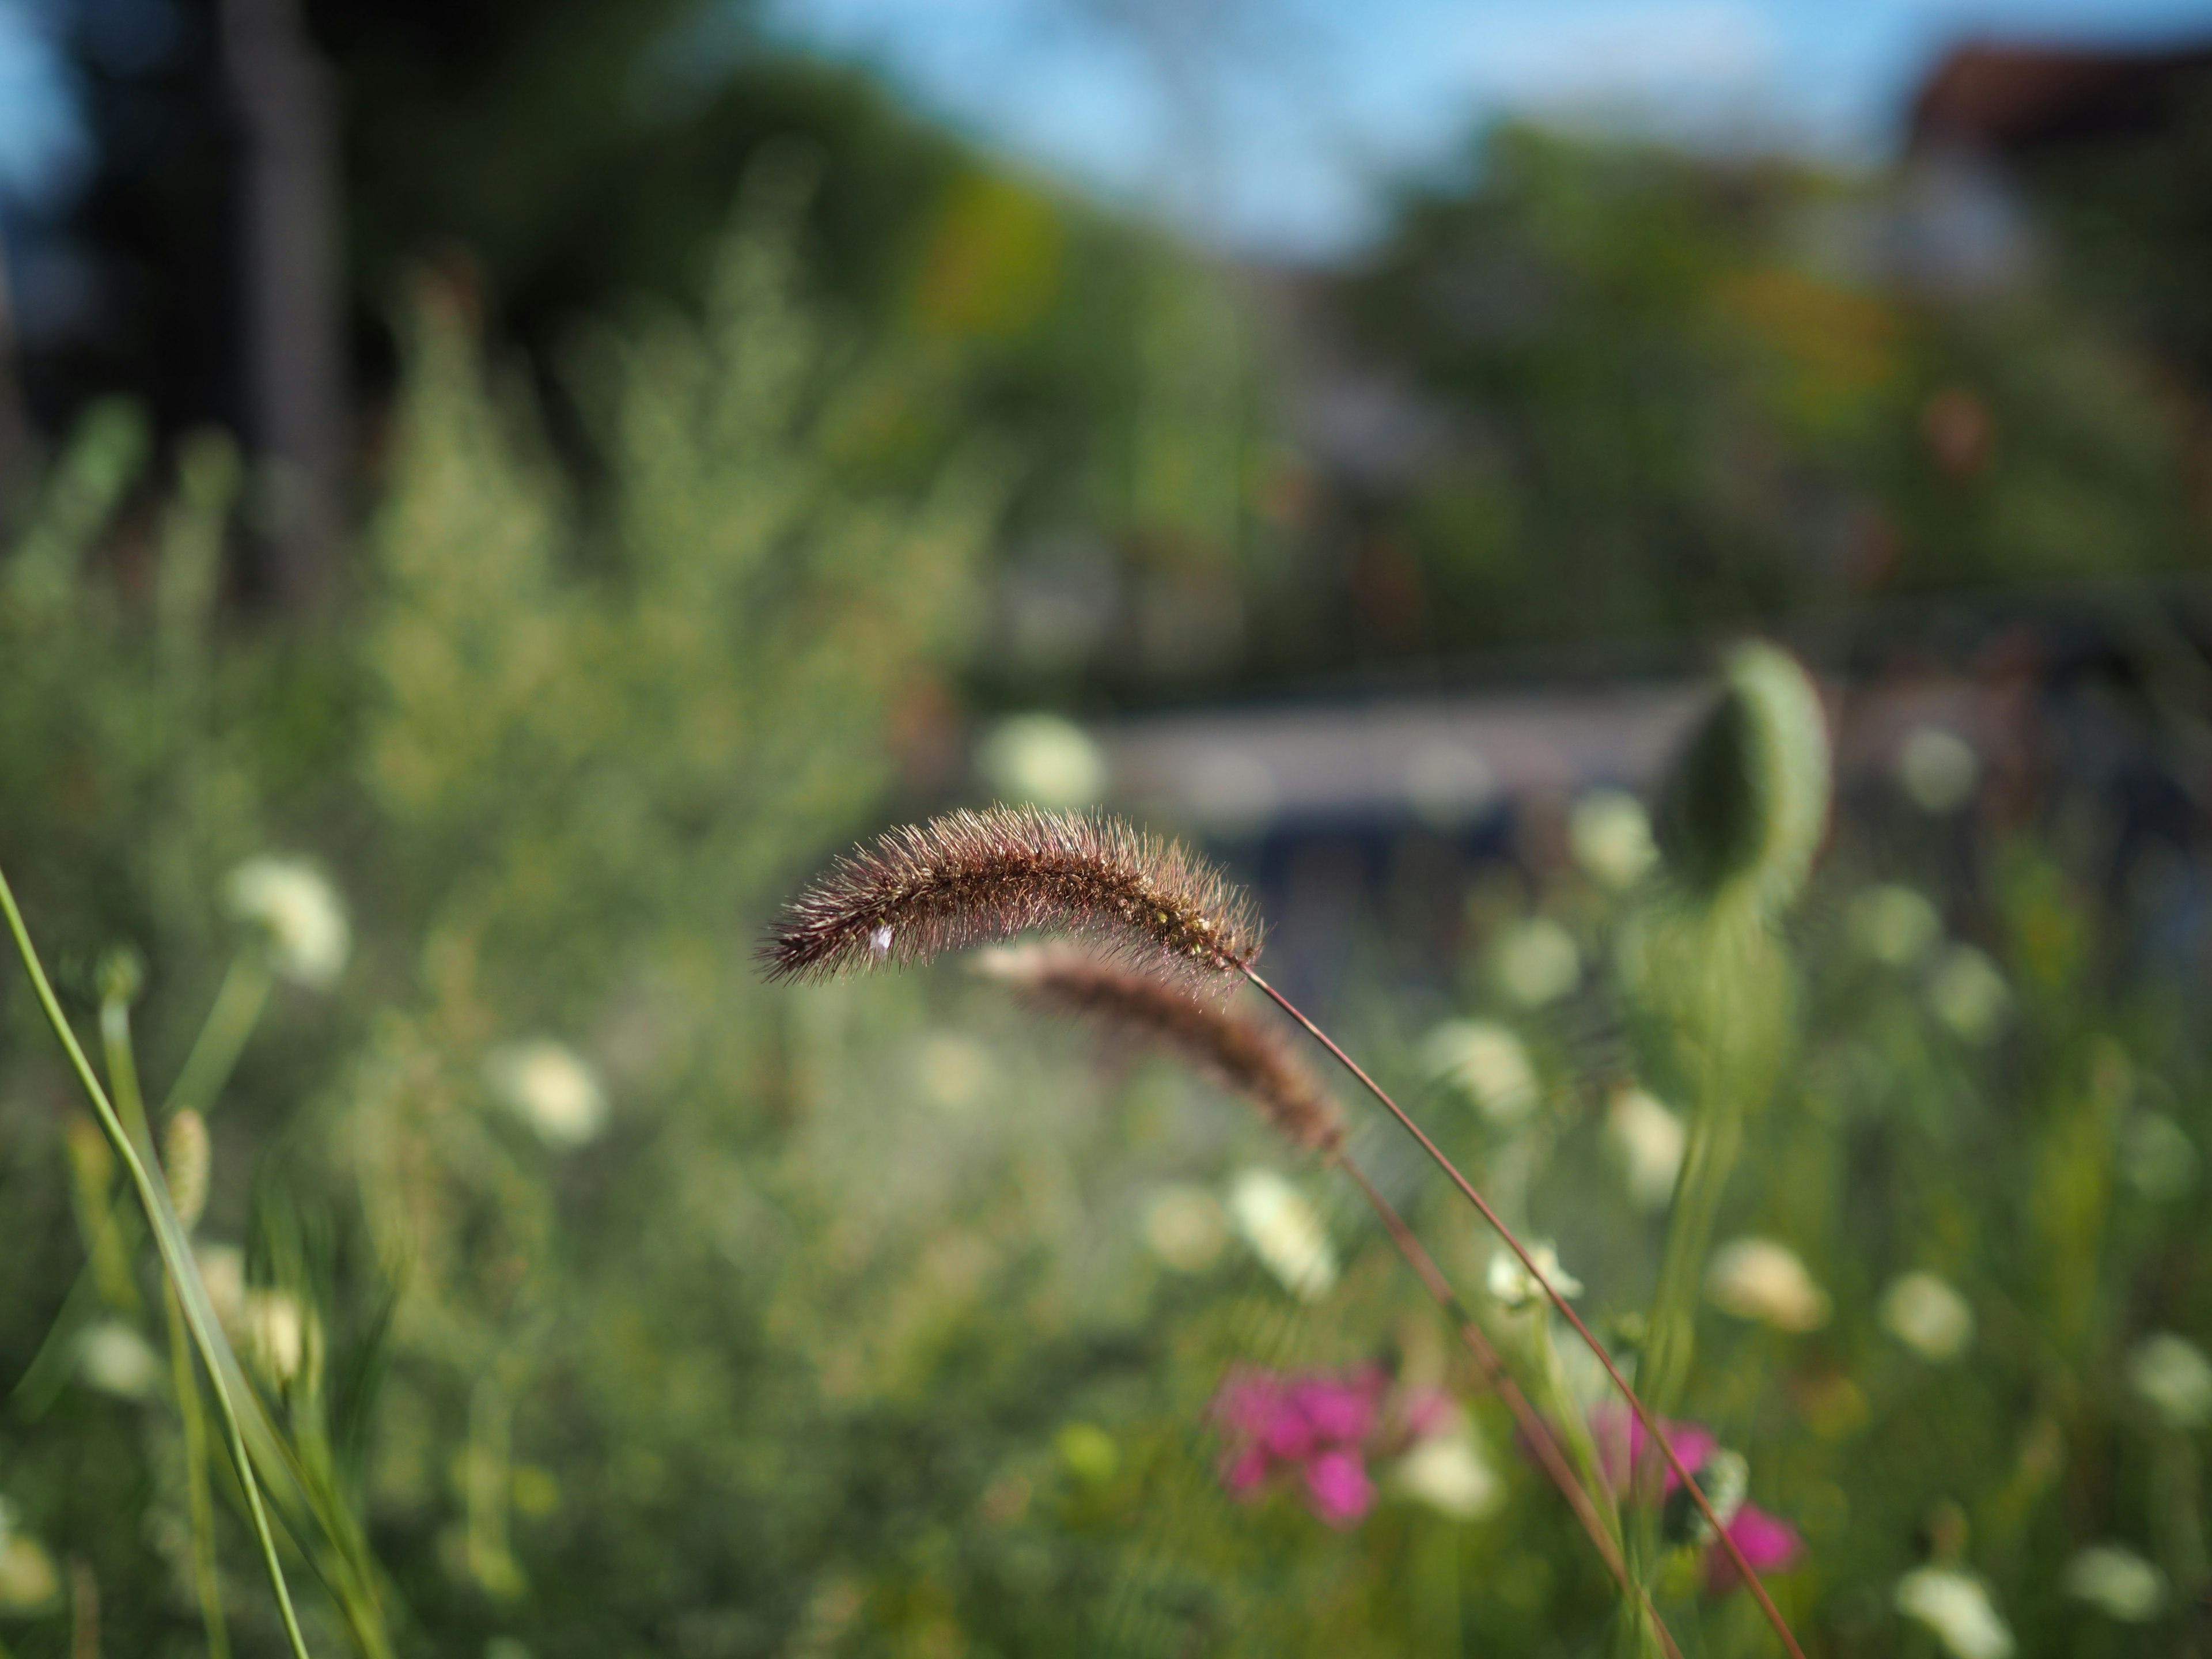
(493, 494)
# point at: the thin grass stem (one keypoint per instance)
(198, 1496)
(1652, 1425)
(176, 1252)
(1534, 1429)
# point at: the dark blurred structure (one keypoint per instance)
(2111, 153)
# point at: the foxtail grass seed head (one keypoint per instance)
(981, 878)
(1240, 1054)
(1746, 802)
(299, 916)
(186, 1157)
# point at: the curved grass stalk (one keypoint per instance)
(1650, 1422)
(130, 1105)
(176, 1257)
(1534, 1429)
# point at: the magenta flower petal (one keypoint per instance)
(1620, 1440)
(1337, 1485)
(1768, 1543)
(1337, 1413)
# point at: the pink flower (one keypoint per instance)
(1319, 1427)
(1337, 1484)
(1768, 1543)
(1621, 1444)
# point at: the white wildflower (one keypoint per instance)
(2157, 1156)
(1894, 925)
(1758, 1279)
(1448, 1472)
(1487, 1062)
(2172, 1374)
(1513, 1287)
(1537, 961)
(1042, 758)
(299, 914)
(1928, 1315)
(115, 1359)
(1184, 1227)
(1937, 769)
(281, 1333)
(1610, 835)
(548, 1086)
(1282, 1229)
(1956, 1605)
(1646, 1142)
(1969, 994)
(2117, 1581)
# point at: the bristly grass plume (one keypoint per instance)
(975, 878)
(1241, 1054)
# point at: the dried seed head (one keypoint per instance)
(978, 878)
(186, 1160)
(1239, 1054)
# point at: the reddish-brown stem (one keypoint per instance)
(1635, 1404)
(1534, 1429)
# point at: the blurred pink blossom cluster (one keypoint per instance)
(1319, 1429)
(1768, 1543)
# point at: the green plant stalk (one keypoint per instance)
(1644, 1629)
(176, 1254)
(199, 1498)
(238, 1004)
(345, 1570)
(1595, 1511)
(1652, 1427)
(131, 1106)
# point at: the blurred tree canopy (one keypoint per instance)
(1668, 394)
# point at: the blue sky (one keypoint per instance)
(1270, 124)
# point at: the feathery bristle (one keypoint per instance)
(1243, 1055)
(979, 878)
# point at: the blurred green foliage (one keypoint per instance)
(1677, 394)
(618, 1306)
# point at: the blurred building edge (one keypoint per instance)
(1447, 765)
(2094, 155)
(2007, 99)
(296, 407)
